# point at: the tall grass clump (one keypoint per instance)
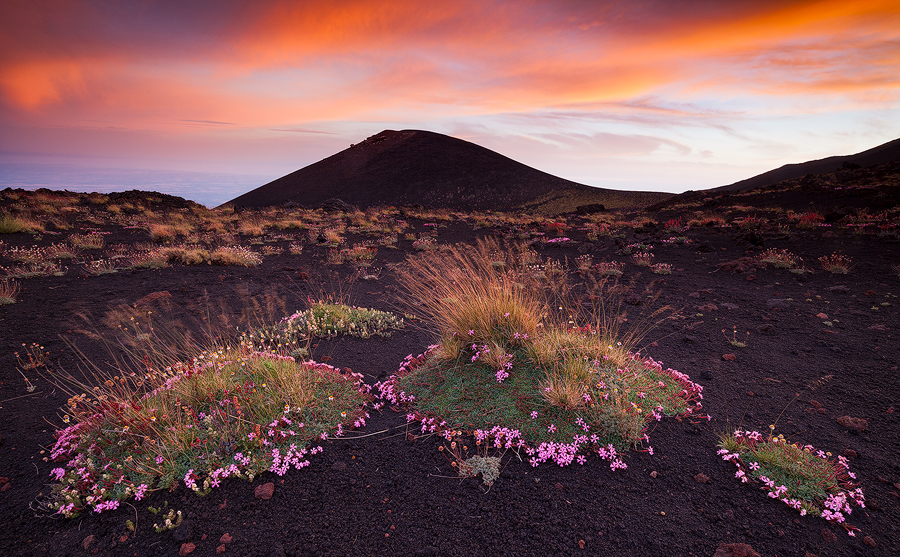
(10, 224)
(516, 352)
(230, 411)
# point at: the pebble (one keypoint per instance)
(264, 491)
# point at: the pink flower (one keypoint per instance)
(551, 429)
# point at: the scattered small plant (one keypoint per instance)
(424, 243)
(661, 268)
(608, 268)
(481, 463)
(642, 259)
(733, 339)
(235, 255)
(836, 263)
(105, 266)
(171, 519)
(584, 262)
(9, 291)
(780, 258)
(674, 226)
(802, 477)
(324, 319)
(810, 220)
(35, 269)
(87, 241)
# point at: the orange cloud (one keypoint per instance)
(279, 61)
(31, 85)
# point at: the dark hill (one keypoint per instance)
(884, 153)
(412, 167)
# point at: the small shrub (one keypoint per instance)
(836, 263)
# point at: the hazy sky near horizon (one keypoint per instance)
(212, 98)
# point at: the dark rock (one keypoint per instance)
(339, 466)
(766, 329)
(780, 303)
(829, 536)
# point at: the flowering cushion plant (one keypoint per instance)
(223, 414)
(803, 478)
(610, 412)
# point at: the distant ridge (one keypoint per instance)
(414, 167)
(884, 153)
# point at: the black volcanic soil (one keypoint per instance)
(385, 491)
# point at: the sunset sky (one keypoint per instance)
(209, 99)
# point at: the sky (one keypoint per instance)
(209, 99)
